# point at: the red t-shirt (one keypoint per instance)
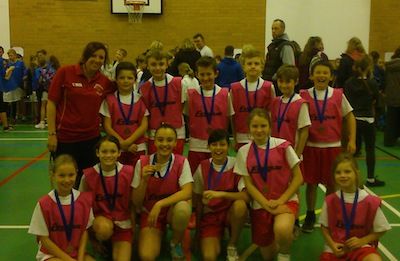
(78, 101)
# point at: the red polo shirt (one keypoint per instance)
(78, 100)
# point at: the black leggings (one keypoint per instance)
(366, 131)
(84, 152)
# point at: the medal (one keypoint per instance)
(263, 170)
(158, 167)
(249, 107)
(348, 222)
(208, 114)
(67, 227)
(110, 198)
(70, 248)
(320, 112)
(217, 180)
(281, 117)
(127, 131)
(124, 117)
(161, 106)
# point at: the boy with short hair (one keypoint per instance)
(163, 97)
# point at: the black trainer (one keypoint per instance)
(308, 225)
(376, 183)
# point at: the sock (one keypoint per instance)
(283, 257)
(310, 213)
(371, 180)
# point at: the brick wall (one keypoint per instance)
(63, 27)
(385, 26)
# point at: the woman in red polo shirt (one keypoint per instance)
(75, 96)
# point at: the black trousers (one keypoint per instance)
(84, 152)
(392, 128)
(367, 132)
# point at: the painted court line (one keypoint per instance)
(17, 158)
(31, 131)
(18, 171)
(390, 196)
(395, 211)
(22, 139)
(14, 227)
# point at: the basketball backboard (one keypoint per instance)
(151, 7)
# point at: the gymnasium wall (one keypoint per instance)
(385, 26)
(63, 27)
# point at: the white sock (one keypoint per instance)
(371, 180)
(283, 257)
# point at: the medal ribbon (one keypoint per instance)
(208, 114)
(68, 227)
(281, 117)
(166, 171)
(249, 107)
(219, 175)
(348, 222)
(262, 169)
(121, 109)
(110, 198)
(161, 106)
(320, 113)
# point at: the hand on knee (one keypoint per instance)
(103, 228)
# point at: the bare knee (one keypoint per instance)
(372, 257)
(103, 228)
(239, 208)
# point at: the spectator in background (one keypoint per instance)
(3, 105)
(14, 75)
(392, 99)
(280, 51)
(187, 54)
(313, 52)
(229, 70)
(355, 51)
(109, 69)
(204, 50)
(378, 70)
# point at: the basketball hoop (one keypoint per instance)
(135, 10)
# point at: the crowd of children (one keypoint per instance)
(143, 179)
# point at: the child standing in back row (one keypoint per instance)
(163, 97)
(351, 220)
(328, 108)
(125, 115)
(61, 218)
(251, 92)
(208, 107)
(270, 169)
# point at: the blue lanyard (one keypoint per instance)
(208, 114)
(68, 227)
(166, 171)
(126, 118)
(281, 117)
(110, 198)
(249, 107)
(163, 105)
(219, 175)
(320, 113)
(348, 222)
(262, 169)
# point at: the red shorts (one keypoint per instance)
(212, 224)
(318, 165)
(129, 158)
(195, 158)
(355, 255)
(161, 220)
(262, 224)
(180, 143)
(121, 234)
